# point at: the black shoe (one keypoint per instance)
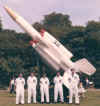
(42, 102)
(77, 103)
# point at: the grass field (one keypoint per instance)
(92, 99)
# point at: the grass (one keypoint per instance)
(92, 99)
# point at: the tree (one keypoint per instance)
(17, 56)
(93, 47)
(93, 26)
(55, 23)
(56, 19)
(38, 26)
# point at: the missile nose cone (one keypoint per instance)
(10, 12)
(5, 7)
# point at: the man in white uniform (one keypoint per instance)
(19, 85)
(73, 90)
(44, 88)
(12, 85)
(32, 83)
(58, 89)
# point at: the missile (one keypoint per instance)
(50, 49)
(22, 23)
(48, 58)
(42, 50)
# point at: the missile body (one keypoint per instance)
(53, 49)
(61, 48)
(22, 23)
(54, 62)
(50, 49)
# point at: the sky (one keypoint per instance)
(80, 11)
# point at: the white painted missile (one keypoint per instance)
(45, 53)
(46, 56)
(50, 49)
(25, 25)
(36, 36)
(64, 54)
(22, 23)
(61, 48)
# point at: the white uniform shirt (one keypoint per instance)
(32, 81)
(74, 80)
(87, 81)
(12, 82)
(44, 82)
(58, 81)
(20, 82)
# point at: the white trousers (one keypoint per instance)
(73, 91)
(31, 93)
(44, 92)
(20, 96)
(58, 90)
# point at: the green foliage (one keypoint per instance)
(56, 19)
(16, 55)
(56, 23)
(93, 26)
(38, 26)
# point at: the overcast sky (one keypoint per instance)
(80, 11)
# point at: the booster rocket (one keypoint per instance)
(50, 49)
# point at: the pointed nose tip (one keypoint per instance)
(10, 12)
(6, 8)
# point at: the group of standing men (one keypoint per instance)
(44, 88)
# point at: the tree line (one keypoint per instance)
(16, 55)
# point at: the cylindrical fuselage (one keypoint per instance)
(53, 51)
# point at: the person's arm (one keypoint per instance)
(54, 80)
(78, 79)
(40, 82)
(48, 81)
(61, 79)
(10, 85)
(24, 81)
(15, 85)
(27, 81)
(36, 81)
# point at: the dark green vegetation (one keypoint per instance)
(16, 55)
(92, 99)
